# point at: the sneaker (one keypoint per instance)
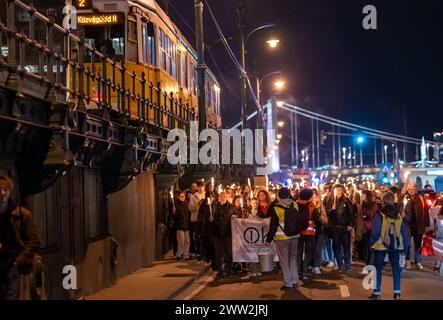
(305, 277)
(407, 264)
(253, 274)
(375, 297)
(218, 277)
(259, 274)
(285, 288)
(419, 266)
(316, 270)
(330, 264)
(187, 258)
(397, 296)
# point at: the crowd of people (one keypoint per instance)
(315, 229)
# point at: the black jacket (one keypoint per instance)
(222, 220)
(182, 216)
(343, 215)
(205, 227)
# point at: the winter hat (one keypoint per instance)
(306, 194)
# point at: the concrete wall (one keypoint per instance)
(131, 213)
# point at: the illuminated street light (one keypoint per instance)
(277, 141)
(360, 139)
(273, 42)
(279, 136)
(280, 124)
(280, 103)
(279, 84)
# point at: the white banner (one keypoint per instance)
(249, 240)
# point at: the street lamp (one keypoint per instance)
(279, 84)
(260, 81)
(279, 136)
(280, 124)
(386, 153)
(273, 43)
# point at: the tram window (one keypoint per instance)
(132, 41)
(168, 55)
(185, 70)
(151, 44)
(109, 38)
(145, 43)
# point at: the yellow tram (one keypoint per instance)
(141, 34)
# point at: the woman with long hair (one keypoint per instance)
(265, 201)
(341, 219)
(367, 212)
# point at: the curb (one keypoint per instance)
(188, 283)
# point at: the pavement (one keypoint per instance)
(170, 279)
(330, 285)
(164, 280)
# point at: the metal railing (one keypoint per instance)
(43, 52)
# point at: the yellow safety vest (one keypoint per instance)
(386, 223)
(280, 234)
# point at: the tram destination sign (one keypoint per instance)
(99, 18)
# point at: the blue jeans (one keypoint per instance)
(323, 243)
(342, 239)
(10, 284)
(328, 252)
(394, 258)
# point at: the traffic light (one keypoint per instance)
(323, 137)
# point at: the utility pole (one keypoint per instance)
(333, 146)
(292, 139)
(355, 155)
(313, 143)
(339, 148)
(383, 152)
(201, 66)
(318, 145)
(296, 139)
(375, 151)
(361, 155)
(241, 12)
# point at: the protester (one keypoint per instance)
(388, 236)
(19, 242)
(264, 203)
(306, 243)
(286, 224)
(237, 208)
(416, 216)
(195, 201)
(222, 235)
(321, 234)
(341, 218)
(205, 229)
(366, 214)
(182, 218)
(253, 213)
(328, 201)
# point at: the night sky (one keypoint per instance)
(334, 66)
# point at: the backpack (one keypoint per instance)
(295, 222)
(390, 238)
